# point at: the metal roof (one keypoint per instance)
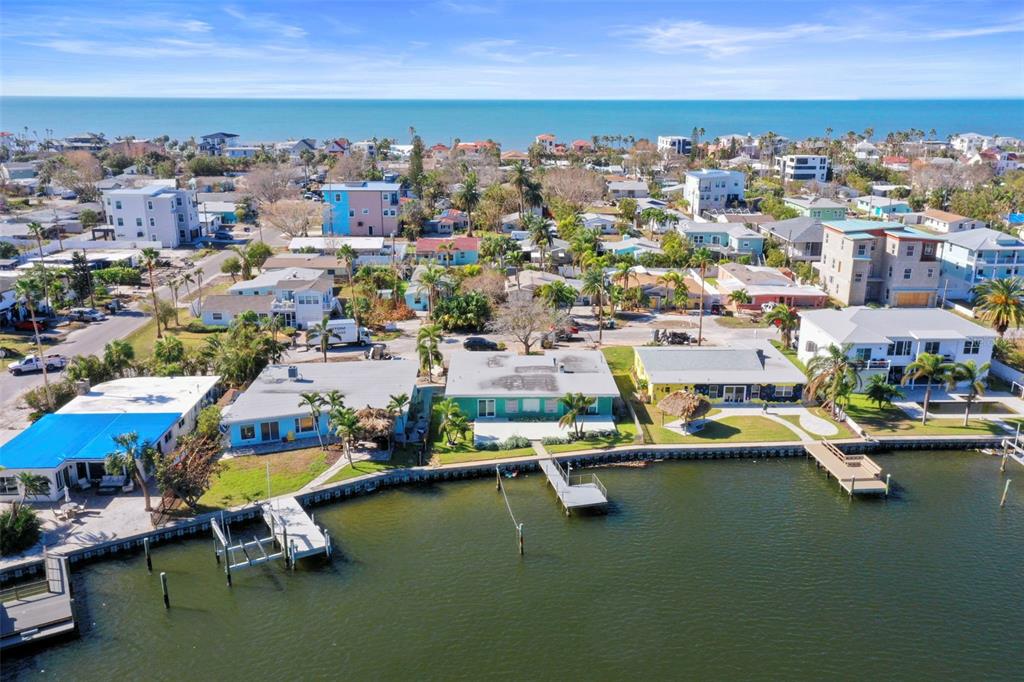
(758, 365)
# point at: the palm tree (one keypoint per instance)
(830, 375)
(272, 324)
(786, 319)
(999, 301)
(322, 331)
(739, 297)
(428, 341)
(675, 281)
(313, 402)
(134, 457)
(622, 273)
(28, 288)
(188, 279)
(557, 294)
(174, 286)
(345, 425)
(118, 356)
(521, 181)
(540, 235)
(880, 391)
(596, 287)
(453, 423)
(701, 259)
(468, 198)
(930, 367)
(974, 376)
(333, 401)
(348, 254)
(576, 406)
(39, 233)
(31, 486)
(432, 277)
(150, 256)
(397, 404)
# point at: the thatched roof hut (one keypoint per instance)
(686, 405)
(375, 422)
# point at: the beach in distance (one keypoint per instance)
(512, 123)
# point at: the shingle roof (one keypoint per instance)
(984, 238)
(802, 229)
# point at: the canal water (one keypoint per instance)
(702, 570)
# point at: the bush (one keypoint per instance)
(118, 275)
(555, 440)
(19, 530)
(61, 391)
(197, 327)
(515, 442)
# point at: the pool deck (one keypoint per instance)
(857, 474)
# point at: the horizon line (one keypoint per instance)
(506, 99)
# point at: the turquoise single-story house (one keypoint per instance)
(271, 411)
(528, 387)
(449, 251)
(417, 296)
(725, 237)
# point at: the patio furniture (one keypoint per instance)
(111, 485)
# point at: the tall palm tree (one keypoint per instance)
(557, 294)
(974, 376)
(272, 324)
(174, 286)
(333, 401)
(596, 287)
(930, 367)
(432, 277)
(397, 404)
(428, 342)
(118, 356)
(786, 319)
(675, 281)
(322, 331)
(313, 402)
(345, 425)
(349, 255)
(29, 289)
(540, 235)
(999, 301)
(31, 486)
(701, 259)
(576, 406)
(150, 256)
(829, 376)
(39, 233)
(520, 180)
(468, 197)
(453, 423)
(133, 458)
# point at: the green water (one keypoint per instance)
(702, 570)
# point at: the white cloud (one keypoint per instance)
(266, 23)
(467, 7)
(196, 26)
(716, 41)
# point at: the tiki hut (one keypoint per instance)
(686, 405)
(376, 423)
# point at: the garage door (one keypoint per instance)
(911, 299)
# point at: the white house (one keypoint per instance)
(601, 222)
(300, 296)
(632, 189)
(886, 340)
(712, 189)
(945, 222)
(676, 144)
(155, 213)
(802, 167)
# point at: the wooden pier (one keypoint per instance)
(1014, 449)
(38, 611)
(294, 528)
(857, 474)
(574, 492)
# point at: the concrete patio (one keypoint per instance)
(495, 430)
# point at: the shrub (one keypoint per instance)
(19, 530)
(555, 440)
(197, 327)
(61, 391)
(118, 275)
(515, 442)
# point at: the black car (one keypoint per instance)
(479, 343)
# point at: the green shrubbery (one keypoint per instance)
(19, 530)
(513, 443)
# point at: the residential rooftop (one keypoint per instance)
(879, 325)
(143, 395)
(362, 186)
(552, 375)
(695, 366)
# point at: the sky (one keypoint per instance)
(516, 49)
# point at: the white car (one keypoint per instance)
(86, 315)
(769, 306)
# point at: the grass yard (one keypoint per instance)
(790, 355)
(144, 338)
(403, 457)
(210, 288)
(627, 436)
(19, 344)
(892, 421)
(844, 430)
(464, 449)
(620, 358)
(244, 479)
(739, 322)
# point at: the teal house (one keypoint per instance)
(819, 208)
(528, 388)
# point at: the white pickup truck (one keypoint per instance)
(32, 363)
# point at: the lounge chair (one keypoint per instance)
(111, 485)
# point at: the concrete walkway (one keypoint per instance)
(812, 427)
(357, 456)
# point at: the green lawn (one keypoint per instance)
(627, 436)
(620, 358)
(739, 322)
(892, 421)
(144, 338)
(401, 458)
(244, 479)
(790, 355)
(463, 450)
(844, 430)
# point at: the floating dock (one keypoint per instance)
(38, 611)
(857, 474)
(574, 492)
(293, 528)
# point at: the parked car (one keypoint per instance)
(86, 315)
(769, 306)
(32, 363)
(114, 305)
(223, 235)
(479, 343)
(28, 326)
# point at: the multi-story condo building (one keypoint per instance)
(802, 167)
(155, 213)
(866, 261)
(945, 222)
(711, 189)
(976, 256)
(676, 144)
(884, 341)
(817, 207)
(361, 208)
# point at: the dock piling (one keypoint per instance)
(163, 587)
(149, 559)
(1006, 489)
(520, 528)
(887, 478)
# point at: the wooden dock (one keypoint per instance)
(293, 528)
(857, 474)
(1014, 449)
(41, 613)
(574, 492)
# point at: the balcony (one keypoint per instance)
(870, 365)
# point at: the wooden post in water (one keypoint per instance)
(227, 565)
(497, 478)
(163, 587)
(520, 529)
(327, 538)
(887, 477)
(149, 559)
(284, 545)
(293, 555)
(1006, 489)
(1002, 464)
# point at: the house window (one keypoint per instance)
(858, 277)
(351, 213)
(531, 404)
(931, 347)
(152, 222)
(8, 485)
(117, 205)
(485, 408)
(551, 406)
(906, 273)
(269, 431)
(138, 222)
(811, 347)
(366, 211)
(863, 354)
(592, 409)
(140, 233)
(972, 347)
(511, 406)
(167, 437)
(862, 249)
(783, 391)
(910, 249)
(900, 348)
(337, 197)
(177, 200)
(120, 222)
(149, 204)
(304, 425)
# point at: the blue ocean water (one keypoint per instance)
(514, 123)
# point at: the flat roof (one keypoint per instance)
(273, 278)
(364, 382)
(362, 186)
(497, 374)
(858, 225)
(143, 395)
(325, 243)
(56, 438)
(881, 325)
(757, 365)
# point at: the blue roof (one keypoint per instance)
(56, 438)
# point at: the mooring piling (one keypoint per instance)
(1006, 489)
(149, 559)
(163, 587)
